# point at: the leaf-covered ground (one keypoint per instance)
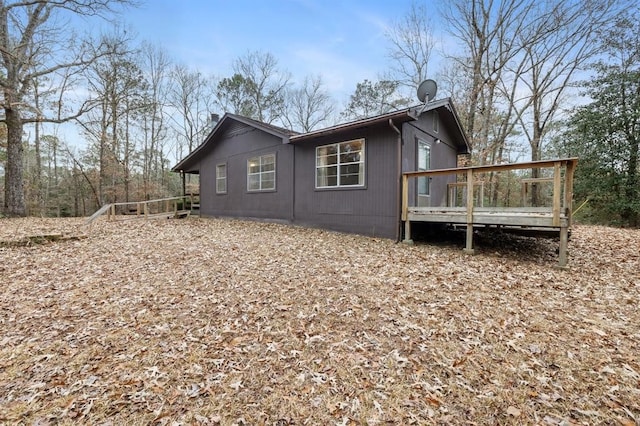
(227, 322)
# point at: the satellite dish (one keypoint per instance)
(427, 90)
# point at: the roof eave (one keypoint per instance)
(377, 120)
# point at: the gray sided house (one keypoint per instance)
(345, 178)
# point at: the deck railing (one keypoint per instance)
(471, 207)
(161, 207)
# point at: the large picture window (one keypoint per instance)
(221, 179)
(261, 173)
(340, 164)
(424, 163)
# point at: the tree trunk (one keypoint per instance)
(14, 202)
(632, 184)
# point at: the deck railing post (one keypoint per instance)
(405, 196)
(113, 212)
(557, 188)
(469, 244)
(568, 190)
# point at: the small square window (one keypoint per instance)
(261, 173)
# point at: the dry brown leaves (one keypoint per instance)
(228, 322)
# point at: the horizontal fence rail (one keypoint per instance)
(161, 207)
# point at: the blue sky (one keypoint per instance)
(344, 41)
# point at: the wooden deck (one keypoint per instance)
(473, 213)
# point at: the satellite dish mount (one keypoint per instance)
(426, 92)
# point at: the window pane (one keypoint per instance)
(268, 180)
(253, 183)
(424, 156)
(350, 174)
(268, 167)
(327, 160)
(423, 186)
(327, 176)
(350, 157)
(221, 171)
(268, 162)
(327, 150)
(221, 185)
(253, 165)
(351, 146)
(350, 151)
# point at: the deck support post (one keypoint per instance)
(407, 232)
(469, 245)
(564, 243)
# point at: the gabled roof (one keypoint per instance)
(446, 113)
(187, 163)
(446, 110)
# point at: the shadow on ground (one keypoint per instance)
(490, 241)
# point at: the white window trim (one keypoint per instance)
(362, 162)
(218, 178)
(261, 172)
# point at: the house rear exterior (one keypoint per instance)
(345, 178)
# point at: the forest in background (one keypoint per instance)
(516, 79)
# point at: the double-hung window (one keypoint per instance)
(221, 179)
(261, 173)
(424, 163)
(340, 164)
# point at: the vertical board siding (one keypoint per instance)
(443, 155)
(371, 210)
(235, 147)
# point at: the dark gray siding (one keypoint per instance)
(443, 155)
(372, 210)
(234, 148)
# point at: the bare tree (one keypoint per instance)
(489, 33)
(412, 44)
(155, 65)
(117, 84)
(264, 83)
(560, 41)
(309, 105)
(371, 99)
(31, 40)
(191, 96)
